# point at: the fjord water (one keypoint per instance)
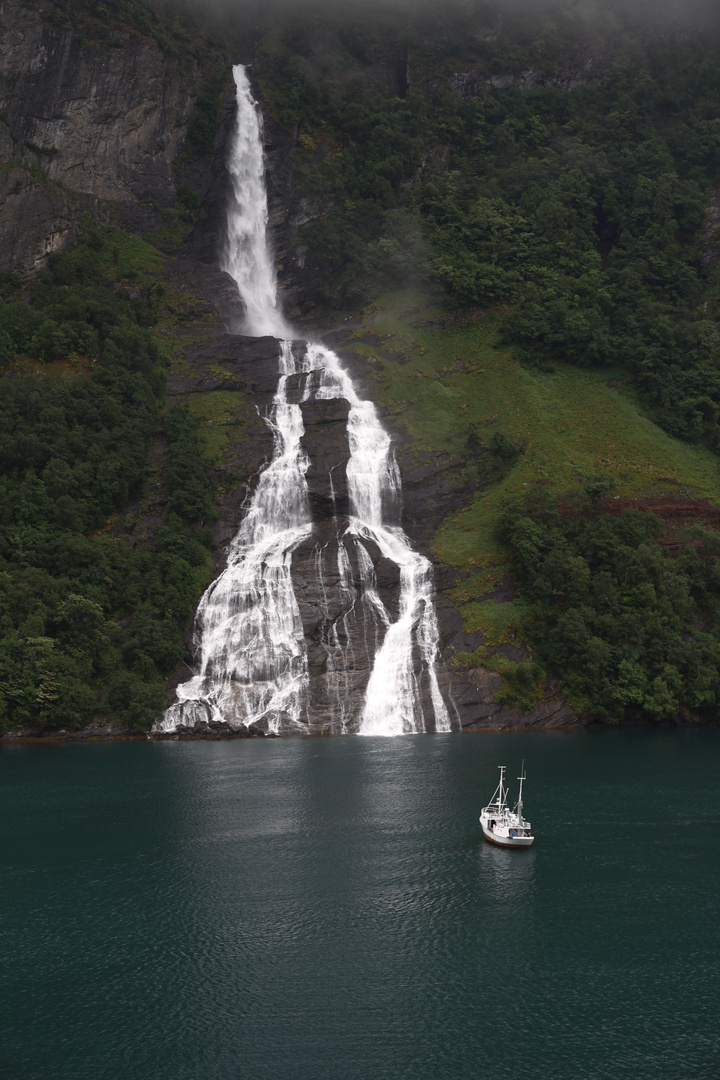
(326, 909)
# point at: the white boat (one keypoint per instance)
(500, 824)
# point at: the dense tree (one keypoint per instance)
(579, 210)
(631, 627)
(88, 624)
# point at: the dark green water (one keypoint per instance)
(328, 910)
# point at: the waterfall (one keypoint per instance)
(247, 258)
(252, 654)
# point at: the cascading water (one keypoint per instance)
(393, 702)
(247, 257)
(253, 657)
(253, 665)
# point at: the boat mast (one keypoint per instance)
(501, 788)
(521, 777)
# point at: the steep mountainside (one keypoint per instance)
(495, 214)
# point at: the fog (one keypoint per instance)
(649, 12)
(239, 22)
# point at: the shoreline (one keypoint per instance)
(11, 738)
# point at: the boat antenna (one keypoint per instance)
(521, 777)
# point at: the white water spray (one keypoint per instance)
(253, 665)
(252, 658)
(247, 257)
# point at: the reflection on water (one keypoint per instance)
(506, 877)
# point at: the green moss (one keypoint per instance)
(502, 623)
(477, 585)
(128, 255)
(223, 413)
(174, 233)
(522, 682)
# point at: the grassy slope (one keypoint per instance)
(570, 421)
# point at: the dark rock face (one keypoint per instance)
(94, 129)
(289, 209)
(34, 221)
(469, 83)
(340, 633)
(326, 445)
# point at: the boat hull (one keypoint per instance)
(506, 841)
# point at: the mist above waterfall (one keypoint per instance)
(648, 16)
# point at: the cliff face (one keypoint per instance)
(88, 128)
(97, 129)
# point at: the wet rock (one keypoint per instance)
(342, 630)
(388, 578)
(326, 444)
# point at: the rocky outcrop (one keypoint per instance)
(91, 128)
(36, 218)
(108, 121)
(289, 208)
(474, 696)
(470, 83)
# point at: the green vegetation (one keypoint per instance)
(534, 269)
(176, 31)
(631, 627)
(220, 412)
(90, 625)
(204, 122)
(526, 437)
(582, 209)
(455, 390)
